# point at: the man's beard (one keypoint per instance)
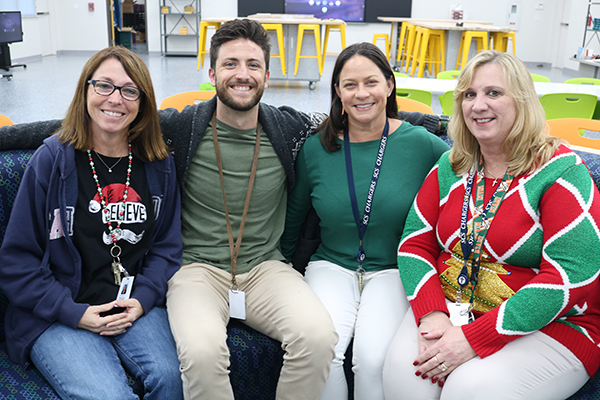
(229, 100)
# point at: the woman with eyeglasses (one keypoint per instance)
(93, 238)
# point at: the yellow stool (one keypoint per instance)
(500, 41)
(278, 28)
(401, 56)
(465, 44)
(411, 34)
(385, 37)
(341, 28)
(202, 42)
(429, 49)
(317, 32)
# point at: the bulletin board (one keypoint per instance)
(373, 8)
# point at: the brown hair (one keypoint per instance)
(145, 134)
(336, 122)
(527, 145)
(240, 29)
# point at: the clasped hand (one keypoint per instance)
(111, 325)
(442, 347)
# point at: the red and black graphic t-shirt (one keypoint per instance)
(90, 231)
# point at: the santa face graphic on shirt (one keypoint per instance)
(133, 211)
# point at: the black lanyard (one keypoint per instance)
(362, 225)
(482, 219)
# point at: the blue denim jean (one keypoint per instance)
(80, 364)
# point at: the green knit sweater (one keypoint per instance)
(321, 182)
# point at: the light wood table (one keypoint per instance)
(440, 86)
(308, 69)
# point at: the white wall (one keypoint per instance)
(69, 26)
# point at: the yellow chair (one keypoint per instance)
(386, 38)
(449, 74)
(5, 121)
(316, 29)
(402, 42)
(500, 41)
(539, 78)
(423, 96)
(180, 100)
(409, 105)
(278, 29)
(568, 105)
(583, 81)
(447, 102)
(481, 37)
(411, 34)
(341, 28)
(429, 45)
(572, 129)
(202, 40)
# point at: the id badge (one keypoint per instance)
(237, 304)
(125, 288)
(460, 313)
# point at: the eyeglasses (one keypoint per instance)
(103, 88)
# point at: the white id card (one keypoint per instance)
(460, 313)
(125, 288)
(237, 304)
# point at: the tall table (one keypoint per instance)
(441, 86)
(309, 68)
(453, 37)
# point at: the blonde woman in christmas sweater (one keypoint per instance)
(521, 318)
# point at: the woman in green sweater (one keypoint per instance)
(366, 156)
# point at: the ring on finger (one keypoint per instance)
(443, 367)
(436, 360)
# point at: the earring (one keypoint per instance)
(343, 111)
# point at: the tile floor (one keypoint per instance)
(44, 89)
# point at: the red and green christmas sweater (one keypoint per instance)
(540, 261)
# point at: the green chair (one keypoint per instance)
(450, 74)
(400, 74)
(207, 86)
(587, 81)
(540, 78)
(569, 105)
(447, 102)
(423, 96)
(583, 81)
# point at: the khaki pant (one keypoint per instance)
(278, 303)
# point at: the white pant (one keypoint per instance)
(532, 367)
(372, 321)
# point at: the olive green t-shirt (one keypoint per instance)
(204, 226)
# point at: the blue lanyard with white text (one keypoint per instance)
(362, 226)
(482, 220)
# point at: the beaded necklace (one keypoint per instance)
(115, 250)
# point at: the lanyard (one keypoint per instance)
(235, 249)
(362, 225)
(482, 219)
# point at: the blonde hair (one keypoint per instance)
(528, 144)
(145, 134)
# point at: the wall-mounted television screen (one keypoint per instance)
(10, 27)
(347, 10)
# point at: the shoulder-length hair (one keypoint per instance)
(336, 122)
(144, 132)
(528, 145)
